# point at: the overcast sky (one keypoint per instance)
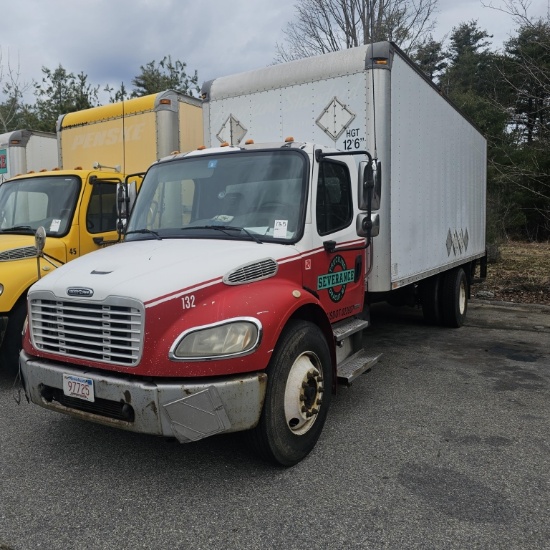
(109, 40)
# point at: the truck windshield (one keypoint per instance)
(253, 195)
(48, 201)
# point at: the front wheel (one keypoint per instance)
(11, 345)
(298, 395)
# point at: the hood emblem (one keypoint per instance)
(80, 291)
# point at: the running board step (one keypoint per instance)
(346, 328)
(355, 365)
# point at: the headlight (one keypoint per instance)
(1, 289)
(228, 338)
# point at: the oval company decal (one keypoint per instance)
(337, 276)
(80, 291)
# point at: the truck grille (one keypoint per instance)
(107, 332)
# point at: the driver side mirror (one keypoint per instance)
(370, 181)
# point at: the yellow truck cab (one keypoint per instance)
(78, 210)
(77, 206)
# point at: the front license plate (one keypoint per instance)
(79, 387)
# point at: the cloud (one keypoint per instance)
(109, 40)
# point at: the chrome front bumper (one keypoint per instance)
(185, 409)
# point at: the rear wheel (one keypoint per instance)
(297, 397)
(454, 297)
(430, 299)
(11, 345)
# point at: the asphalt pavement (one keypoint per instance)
(443, 445)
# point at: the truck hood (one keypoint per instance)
(14, 246)
(147, 270)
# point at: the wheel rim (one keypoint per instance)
(303, 393)
(462, 297)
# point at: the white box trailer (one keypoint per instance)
(432, 158)
(23, 151)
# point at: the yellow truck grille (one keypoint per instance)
(102, 332)
(18, 253)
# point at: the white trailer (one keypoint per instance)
(23, 151)
(432, 158)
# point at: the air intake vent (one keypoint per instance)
(18, 254)
(254, 271)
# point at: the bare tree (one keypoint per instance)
(323, 26)
(12, 90)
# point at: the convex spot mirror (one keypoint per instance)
(362, 225)
(40, 240)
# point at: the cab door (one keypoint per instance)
(339, 264)
(98, 214)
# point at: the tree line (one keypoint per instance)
(505, 92)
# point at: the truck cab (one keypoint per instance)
(246, 309)
(78, 211)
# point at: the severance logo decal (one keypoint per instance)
(337, 276)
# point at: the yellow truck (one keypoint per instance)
(77, 204)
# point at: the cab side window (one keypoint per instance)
(102, 214)
(334, 199)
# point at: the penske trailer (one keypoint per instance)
(77, 204)
(240, 295)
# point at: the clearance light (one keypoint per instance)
(224, 144)
(175, 152)
(165, 102)
(380, 61)
(201, 147)
(43, 170)
(226, 339)
(15, 141)
(249, 142)
(56, 168)
(289, 139)
(30, 172)
(78, 167)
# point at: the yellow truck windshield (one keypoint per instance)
(26, 204)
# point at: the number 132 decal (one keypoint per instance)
(188, 302)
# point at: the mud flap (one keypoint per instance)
(198, 415)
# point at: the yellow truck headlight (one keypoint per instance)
(1, 289)
(225, 339)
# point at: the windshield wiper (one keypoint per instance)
(225, 229)
(18, 228)
(145, 232)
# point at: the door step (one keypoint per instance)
(345, 329)
(355, 365)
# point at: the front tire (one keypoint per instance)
(13, 338)
(297, 397)
(454, 297)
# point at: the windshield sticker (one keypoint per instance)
(212, 163)
(54, 226)
(336, 279)
(279, 229)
